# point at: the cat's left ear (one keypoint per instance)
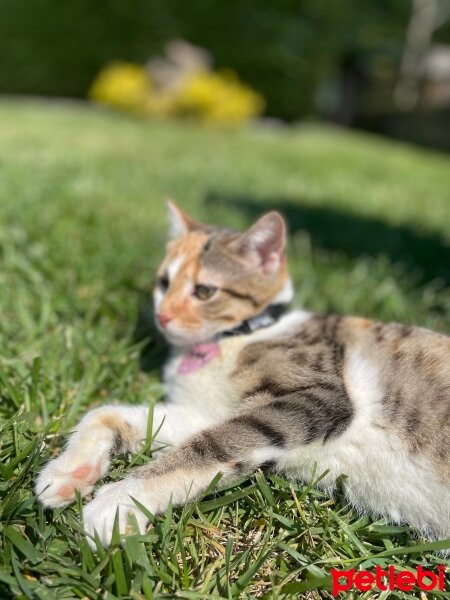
(179, 223)
(264, 243)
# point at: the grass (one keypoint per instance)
(82, 228)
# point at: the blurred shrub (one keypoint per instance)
(182, 85)
(288, 50)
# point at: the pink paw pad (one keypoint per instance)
(82, 472)
(89, 473)
(65, 491)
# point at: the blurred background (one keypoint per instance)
(379, 65)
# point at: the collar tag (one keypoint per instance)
(198, 357)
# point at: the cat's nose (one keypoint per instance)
(164, 319)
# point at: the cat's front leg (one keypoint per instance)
(102, 432)
(88, 453)
(235, 447)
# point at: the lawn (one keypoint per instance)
(82, 228)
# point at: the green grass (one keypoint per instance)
(82, 228)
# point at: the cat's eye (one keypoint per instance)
(204, 292)
(163, 282)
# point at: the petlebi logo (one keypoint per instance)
(388, 579)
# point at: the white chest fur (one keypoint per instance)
(208, 389)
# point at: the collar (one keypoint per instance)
(267, 317)
(202, 354)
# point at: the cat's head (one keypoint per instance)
(213, 279)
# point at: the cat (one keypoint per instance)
(253, 385)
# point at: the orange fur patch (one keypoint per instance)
(178, 300)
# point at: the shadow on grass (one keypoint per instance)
(154, 350)
(428, 255)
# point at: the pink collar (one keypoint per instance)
(199, 356)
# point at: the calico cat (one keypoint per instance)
(251, 386)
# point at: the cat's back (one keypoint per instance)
(410, 364)
(395, 378)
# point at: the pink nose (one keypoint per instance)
(164, 319)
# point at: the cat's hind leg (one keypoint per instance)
(85, 460)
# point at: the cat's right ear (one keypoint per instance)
(179, 223)
(263, 244)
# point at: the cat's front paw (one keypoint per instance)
(99, 514)
(59, 479)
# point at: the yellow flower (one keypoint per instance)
(218, 97)
(122, 85)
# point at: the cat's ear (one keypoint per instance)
(264, 243)
(179, 222)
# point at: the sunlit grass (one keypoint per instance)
(82, 228)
